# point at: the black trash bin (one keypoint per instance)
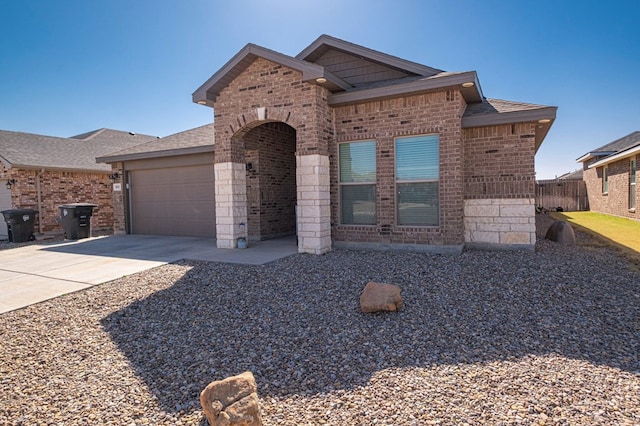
(20, 224)
(76, 220)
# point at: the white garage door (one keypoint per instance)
(173, 201)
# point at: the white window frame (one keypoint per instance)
(605, 180)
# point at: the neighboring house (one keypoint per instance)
(342, 145)
(610, 176)
(169, 185)
(45, 172)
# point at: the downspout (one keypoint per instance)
(40, 227)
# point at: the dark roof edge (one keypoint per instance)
(63, 169)
(155, 154)
(371, 54)
(309, 71)
(496, 118)
(415, 86)
(634, 150)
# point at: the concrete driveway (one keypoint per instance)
(35, 273)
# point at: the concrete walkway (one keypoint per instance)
(34, 273)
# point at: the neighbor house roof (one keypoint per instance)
(193, 141)
(32, 151)
(620, 148)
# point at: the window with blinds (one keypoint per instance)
(417, 180)
(357, 162)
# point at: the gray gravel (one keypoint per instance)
(551, 337)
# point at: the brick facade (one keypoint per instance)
(616, 200)
(57, 188)
(493, 163)
(383, 121)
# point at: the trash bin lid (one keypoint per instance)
(17, 212)
(74, 205)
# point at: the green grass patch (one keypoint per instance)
(612, 230)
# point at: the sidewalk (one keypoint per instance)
(34, 273)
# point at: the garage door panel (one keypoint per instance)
(173, 201)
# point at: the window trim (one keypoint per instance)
(605, 180)
(396, 182)
(342, 184)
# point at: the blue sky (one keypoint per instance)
(69, 66)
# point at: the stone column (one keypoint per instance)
(231, 203)
(313, 208)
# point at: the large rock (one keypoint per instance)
(378, 297)
(561, 232)
(232, 401)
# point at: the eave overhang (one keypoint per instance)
(616, 157)
(155, 154)
(595, 154)
(97, 170)
(471, 94)
(544, 117)
(207, 93)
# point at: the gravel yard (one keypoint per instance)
(551, 337)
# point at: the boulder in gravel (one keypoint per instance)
(561, 232)
(232, 401)
(377, 297)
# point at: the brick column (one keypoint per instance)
(313, 208)
(231, 203)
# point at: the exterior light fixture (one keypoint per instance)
(114, 176)
(468, 84)
(321, 80)
(10, 183)
(544, 121)
(201, 102)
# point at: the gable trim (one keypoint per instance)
(416, 86)
(209, 91)
(326, 42)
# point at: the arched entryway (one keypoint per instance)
(269, 154)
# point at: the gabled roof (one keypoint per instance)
(492, 112)
(31, 151)
(624, 143)
(193, 141)
(350, 72)
(624, 147)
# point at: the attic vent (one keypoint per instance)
(132, 133)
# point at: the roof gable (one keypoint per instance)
(209, 91)
(332, 52)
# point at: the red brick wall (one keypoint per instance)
(616, 201)
(285, 97)
(499, 161)
(383, 121)
(57, 188)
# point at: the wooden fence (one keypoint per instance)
(570, 195)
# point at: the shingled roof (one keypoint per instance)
(32, 151)
(193, 141)
(625, 146)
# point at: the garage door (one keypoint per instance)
(173, 201)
